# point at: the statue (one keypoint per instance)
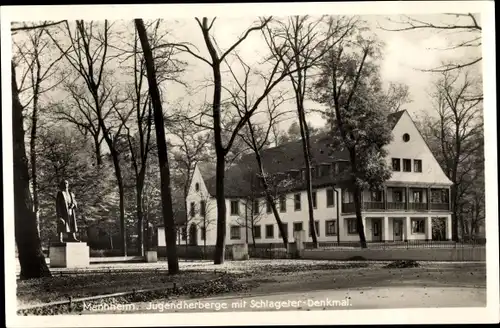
(65, 210)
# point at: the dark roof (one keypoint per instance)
(394, 118)
(241, 179)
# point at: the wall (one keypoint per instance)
(415, 148)
(417, 254)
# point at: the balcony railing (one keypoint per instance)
(440, 206)
(395, 206)
(417, 206)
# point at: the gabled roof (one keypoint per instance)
(241, 179)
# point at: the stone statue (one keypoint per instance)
(65, 210)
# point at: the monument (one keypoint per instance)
(67, 252)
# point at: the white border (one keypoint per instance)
(441, 315)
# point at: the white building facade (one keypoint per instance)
(413, 205)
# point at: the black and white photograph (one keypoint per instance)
(204, 162)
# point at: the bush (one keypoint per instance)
(400, 264)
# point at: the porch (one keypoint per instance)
(400, 229)
(400, 199)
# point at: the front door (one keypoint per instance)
(398, 230)
(376, 230)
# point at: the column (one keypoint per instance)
(407, 232)
(385, 229)
(428, 228)
(448, 227)
(364, 227)
(407, 197)
(385, 199)
(428, 199)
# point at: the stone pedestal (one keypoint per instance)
(151, 256)
(296, 248)
(240, 252)
(69, 255)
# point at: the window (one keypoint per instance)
(256, 232)
(197, 186)
(315, 203)
(352, 226)
(417, 196)
(439, 196)
(183, 233)
(418, 225)
(330, 200)
(335, 168)
(314, 172)
(255, 209)
(417, 165)
(235, 232)
(203, 233)
(269, 231)
(235, 207)
(376, 196)
(324, 170)
(192, 210)
(297, 226)
(406, 137)
(406, 165)
(203, 206)
(397, 195)
(297, 202)
(316, 227)
(268, 207)
(285, 227)
(331, 227)
(282, 203)
(396, 164)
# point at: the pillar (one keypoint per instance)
(363, 219)
(385, 229)
(407, 196)
(407, 230)
(428, 228)
(448, 227)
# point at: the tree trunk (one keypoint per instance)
(121, 192)
(97, 145)
(220, 245)
(140, 219)
(166, 197)
(31, 258)
(270, 199)
(359, 220)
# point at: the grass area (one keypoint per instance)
(59, 288)
(198, 279)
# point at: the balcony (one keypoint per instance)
(396, 206)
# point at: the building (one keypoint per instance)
(414, 204)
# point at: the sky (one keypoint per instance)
(405, 54)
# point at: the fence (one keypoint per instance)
(410, 244)
(268, 251)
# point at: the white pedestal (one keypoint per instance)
(69, 255)
(151, 256)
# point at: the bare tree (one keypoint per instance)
(168, 219)
(31, 258)
(38, 74)
(275, 76)
(459, 133)
(466, 25)
(89, 57)
(308, 39)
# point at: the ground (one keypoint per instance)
(289, 284)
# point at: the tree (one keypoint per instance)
(89, 57)
(456, 137)
(276, 75)
(168, 219)
(29, 247)
(308, 39)
(38, 74)
(465, 25)
(349, 85)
